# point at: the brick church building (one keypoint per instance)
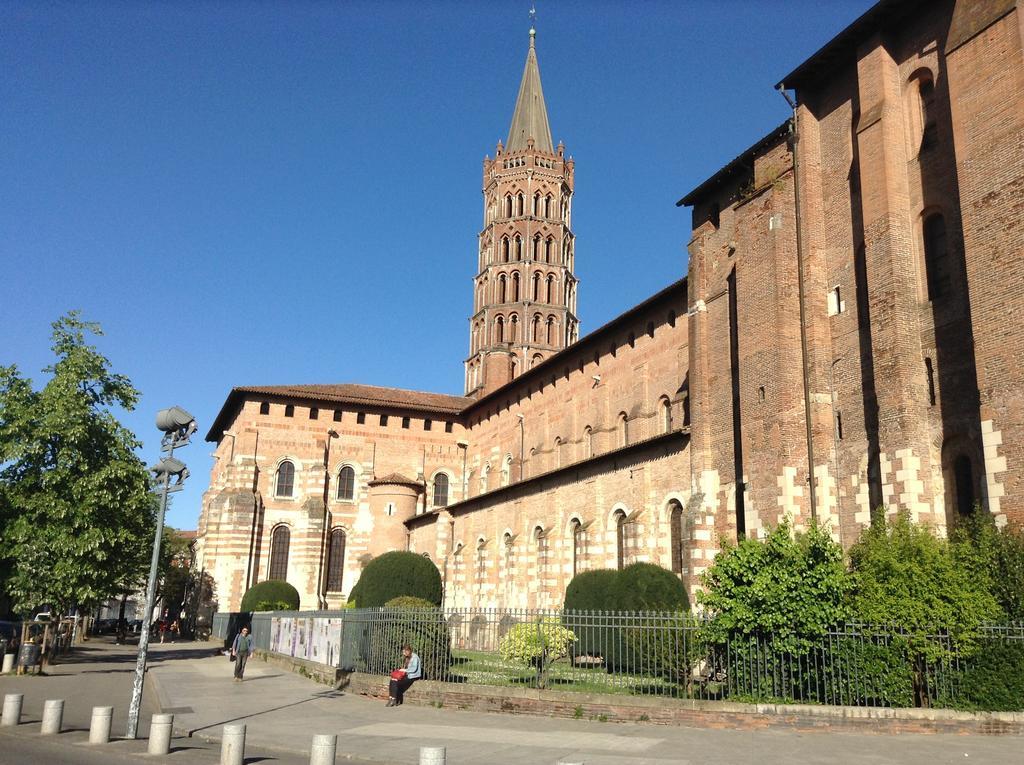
(848, 336)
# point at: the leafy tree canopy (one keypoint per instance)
(996, 556)
(75, 508)
(790, 587)
(909, 577)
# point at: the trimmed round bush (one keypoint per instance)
(647, 587)
(394, 574)
(271, 595)
(592, 591)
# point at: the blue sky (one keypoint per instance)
(265, 193)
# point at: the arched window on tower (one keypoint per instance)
(504, 249)
(499, 330)
(508, 205)
(535, 253)
(550, 289)
(936, 255)
(513, 330)
(549, 248)
(519, 247)
(502, 288)
(346, 484)
(666, 414)
(623, 429)
(515, 288)
(558, 452)
(547, 206)
(536, 286)
(588, 442)
(441, 490)
(335, 560)
(675, 522)
(519, 203)
(535, 334)
(550, 333)
(506, 470)
(280, 539)
(285, 483)
(536, 204)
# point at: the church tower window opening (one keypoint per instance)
(441, 490)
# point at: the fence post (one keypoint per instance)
(99, 726)
(232, 745)
(432, 755)
(540, 647)
(324, 750)
(160, 728)
(53, 716)
(12, 709)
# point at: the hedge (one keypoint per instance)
(271, 595)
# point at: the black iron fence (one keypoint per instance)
(659, 654)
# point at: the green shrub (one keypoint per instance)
(647, 587)
(592, 591)
(271, 595)
(395, 574)
(994, 679)
(410, 621)
(995, 555)
(537, 644)
(909, 577)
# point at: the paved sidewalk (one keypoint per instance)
(283, 711)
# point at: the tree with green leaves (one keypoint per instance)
(789, 588)
(77, 517)
(910, 578)
(995, 555)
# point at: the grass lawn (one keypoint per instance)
(484, 668)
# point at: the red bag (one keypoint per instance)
(397, 674)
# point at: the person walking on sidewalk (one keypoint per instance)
(401, 679)
(241, 649)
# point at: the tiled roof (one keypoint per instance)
(395, 478)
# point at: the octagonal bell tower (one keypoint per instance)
(524, 293)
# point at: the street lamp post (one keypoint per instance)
(178, 427)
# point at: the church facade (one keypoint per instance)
(846, 337)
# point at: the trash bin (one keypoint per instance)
(29, 655)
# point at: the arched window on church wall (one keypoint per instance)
(336, 560)
(619, 520)
(550, 289)
(441, 490)
(519, 203)
(549, 246)
(502, 288)
(504, 249)
(536, 204)
(513, 334)
(675, 520)
(588, 442)
(284, 485)
(540, 539)
(515, 287)
(346, 484)
(280, 539)
(623, 429)
(558, 452)
(550, 334)
(935, 244)
(666, 414)
(519, 247)
(499, 330)
(536, 286)
(536, 328)
(535, 253)
(506, 470)
(508, 205)
(547, 206)
(920, 109)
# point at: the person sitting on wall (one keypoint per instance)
(401, 679)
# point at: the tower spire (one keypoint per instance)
(530, 119)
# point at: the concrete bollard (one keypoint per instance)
(325, 749)
(12, 708)
(160, 728)
(99, 728)
(53, 716)
(431, 755)
(9, 663)
(232, 745)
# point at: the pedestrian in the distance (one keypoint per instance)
(241, 649)
(402, 678)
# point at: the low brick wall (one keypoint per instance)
(667, 711)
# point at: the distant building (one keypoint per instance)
(846, 338)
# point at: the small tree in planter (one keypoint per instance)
(539, 644)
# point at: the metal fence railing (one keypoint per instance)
(660, 654)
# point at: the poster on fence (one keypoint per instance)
(315, 639)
